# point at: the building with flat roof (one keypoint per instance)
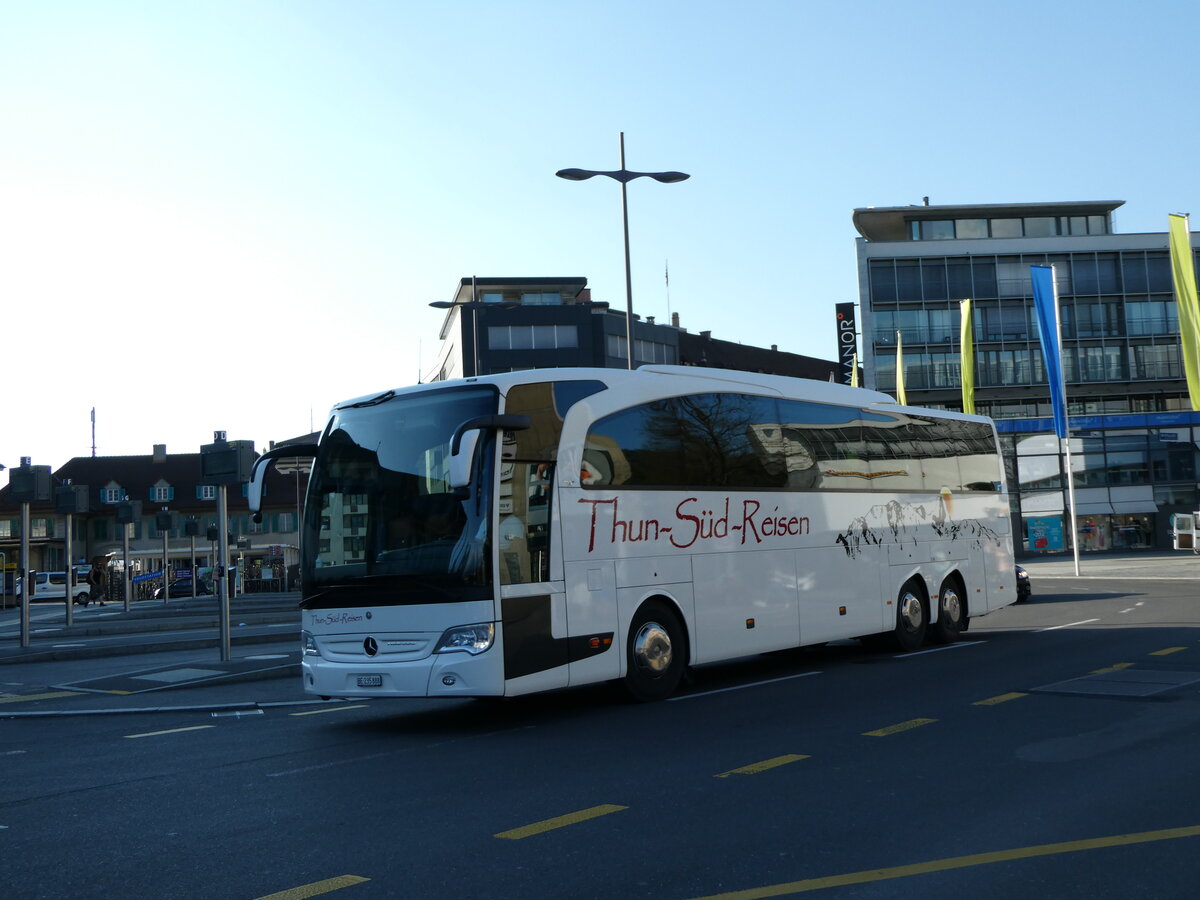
(508, 324)
(1134, 434)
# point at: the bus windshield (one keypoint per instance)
(382, 524)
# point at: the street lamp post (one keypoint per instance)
(624, 176)
(28, 483)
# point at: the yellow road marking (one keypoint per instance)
(1113, 668)
(1168, 651)
(316, 888)
(170, 731)
(955, 862)
(560, 821)
(317, 712)
(894, 729)
(50, 695)
(1000, 698)
(755, 768)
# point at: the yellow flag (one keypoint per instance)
(966, 354)
(900, 371)
(1183, 270)
(854, 371)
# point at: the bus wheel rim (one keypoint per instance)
(951, 605)
(652, 648)
(911, 613)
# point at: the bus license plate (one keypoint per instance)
(370, 681)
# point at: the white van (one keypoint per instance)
(53, 586)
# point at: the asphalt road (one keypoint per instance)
(1052, 752)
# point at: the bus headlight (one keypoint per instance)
(473, 639)
(308, 645)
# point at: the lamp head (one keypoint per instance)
(575, 174)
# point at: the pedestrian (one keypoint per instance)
(95, 579)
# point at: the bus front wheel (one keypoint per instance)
(912, 618)
(655, 653)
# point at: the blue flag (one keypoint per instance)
(1045, 305)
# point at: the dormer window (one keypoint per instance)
(162, 492)
(113, 493)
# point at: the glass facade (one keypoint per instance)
(1119, 322)
(1135, 439)
(1006, 227)
(1127, 481)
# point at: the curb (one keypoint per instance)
(245, 706)
(64, 654)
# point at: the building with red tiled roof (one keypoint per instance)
(159, 481)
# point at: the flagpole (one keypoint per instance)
(1066, 441)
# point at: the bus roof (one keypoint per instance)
(701, 378)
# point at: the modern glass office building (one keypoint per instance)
(1134, 435)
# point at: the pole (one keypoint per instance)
(195, 574)
(222, 570)
(126, 574)
(166, 566)
(286, 585)
(70, 577)
(474, 326)
(628, 273)
(1066, 441)
(23, 569)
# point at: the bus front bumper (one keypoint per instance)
(457, 674)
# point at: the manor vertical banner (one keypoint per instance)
(847, 344)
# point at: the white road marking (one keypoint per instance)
(329, 765)
(1068, 625)
(742, 686)
(940, 649)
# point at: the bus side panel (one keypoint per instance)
(839, 596)
(746, 603)
(1000, 569)
(592, 610)
(535, 645)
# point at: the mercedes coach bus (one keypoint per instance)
(536, 530)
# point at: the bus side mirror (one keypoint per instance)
(466, 441)
(258, 471)
(462, 461)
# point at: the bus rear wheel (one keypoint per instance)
(952, 612)
(655, 653)
(912, 618)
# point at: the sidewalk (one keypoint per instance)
(1170, 564)
(153, 658)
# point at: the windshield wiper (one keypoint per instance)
(374, 401)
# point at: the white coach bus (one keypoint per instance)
(536, 530)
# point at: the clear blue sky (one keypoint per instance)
(230, 215)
